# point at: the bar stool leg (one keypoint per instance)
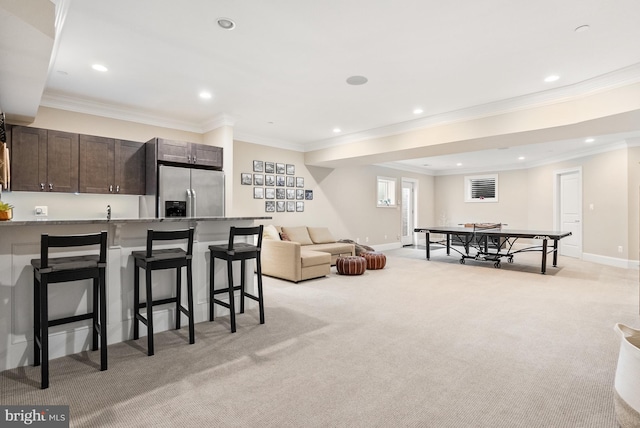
(178, 296)
(36, 322)
(95, 325)
(260, 299)
(192, 334)
(103, 320)
(242, 286)
(232, 307)
(136, 301)
(44, 335)
(211, 287)
(149, 314)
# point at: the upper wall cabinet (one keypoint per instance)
(187, 153)
(44, 160)
(108, 165)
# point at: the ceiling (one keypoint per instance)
(279, 77)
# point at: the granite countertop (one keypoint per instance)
(123, 220)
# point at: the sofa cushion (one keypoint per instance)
(314, 258)
(320, 235)
(298, 234)
(270, 232)
(335, 248)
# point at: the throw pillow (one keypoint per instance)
(270, 232)
(298, 234)
(284, 237)
(320, 235)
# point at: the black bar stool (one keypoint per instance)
(167, 258)
(49, 270)
(232, 252)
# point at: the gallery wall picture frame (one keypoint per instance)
(308, 195)
(299, 181)
(270, 206)
(291, 169)
(245, 178)
(281, 206)
(269, 167)
(299, 193)
(258, 166)
(269, 193)
(280, 180)
(299, 206)
(258, 179)
(281, 193)
(280, 168)
(291, 193)
(258, 193)
(269, 180)
(290, 181)
(291, 206)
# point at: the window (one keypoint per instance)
(481, 188)
(386, 192)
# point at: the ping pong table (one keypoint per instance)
(492, 242)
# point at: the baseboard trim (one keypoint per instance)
(389, 246)
(611, 261)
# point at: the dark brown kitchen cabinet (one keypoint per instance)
(188, 153)
(44, 160)
(109, 165)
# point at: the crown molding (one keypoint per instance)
(218, 122)
(263, 141)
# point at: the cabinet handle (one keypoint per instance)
(41, 186)
(50, 186)
(188, 158)
(195, 159)
(118, 188)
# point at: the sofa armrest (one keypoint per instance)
(281, 259)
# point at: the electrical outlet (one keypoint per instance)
(41, 210)
(366, 239)
(619, 248)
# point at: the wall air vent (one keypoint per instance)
(481, 188)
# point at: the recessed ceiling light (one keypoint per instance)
(418, 111)
(205, 95)
(582, 28)
(459, 164)
(589, 140)
(357, 80)
(551, 78)
(521, 158)
(337, 130)
(226, 23)
(99, 67)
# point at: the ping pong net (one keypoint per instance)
(483, 226)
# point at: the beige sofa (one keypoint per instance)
(308, 253)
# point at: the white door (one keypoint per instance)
(570, 199)
(408, 211)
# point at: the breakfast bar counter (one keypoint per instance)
(20, 242)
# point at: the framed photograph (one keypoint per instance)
(269, 193)
(245, 178)
(299, 206)
(280, 168)
(291, 206)
(299, 181)
(258, 193)
(258, 166)
(280, 180)
(299, 194)
(308, 195)
(290, 181)
(269, 180)
(281, 206)
(269, 168)
(281, 194)
(270, 206)
(291, 193)
(258, 180)
(291, 169)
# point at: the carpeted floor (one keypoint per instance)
(418, 344)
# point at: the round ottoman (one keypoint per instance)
(375, 260)
(351, 265)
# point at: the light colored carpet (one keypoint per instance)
(418, 344)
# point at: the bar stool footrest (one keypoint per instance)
(60, 321)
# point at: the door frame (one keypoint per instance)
(414, 183)
(557, 205)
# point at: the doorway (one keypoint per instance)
(409, 214)
(568, 211)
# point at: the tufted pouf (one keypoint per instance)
(375, 260)
(351, 265)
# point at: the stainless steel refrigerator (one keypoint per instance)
(189, 192)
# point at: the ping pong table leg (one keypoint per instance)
(544, 256)
(555, 253)
(428, 246)
(448, 244)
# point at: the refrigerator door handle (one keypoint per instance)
(193, 203)
(189, 203)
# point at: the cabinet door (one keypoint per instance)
(174, 151)
(97, 160)
(207, 155)
(28, 159)
(62, 161)
(130, 167)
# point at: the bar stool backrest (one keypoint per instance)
(60, 241)
(245, 231)
(171, 235)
